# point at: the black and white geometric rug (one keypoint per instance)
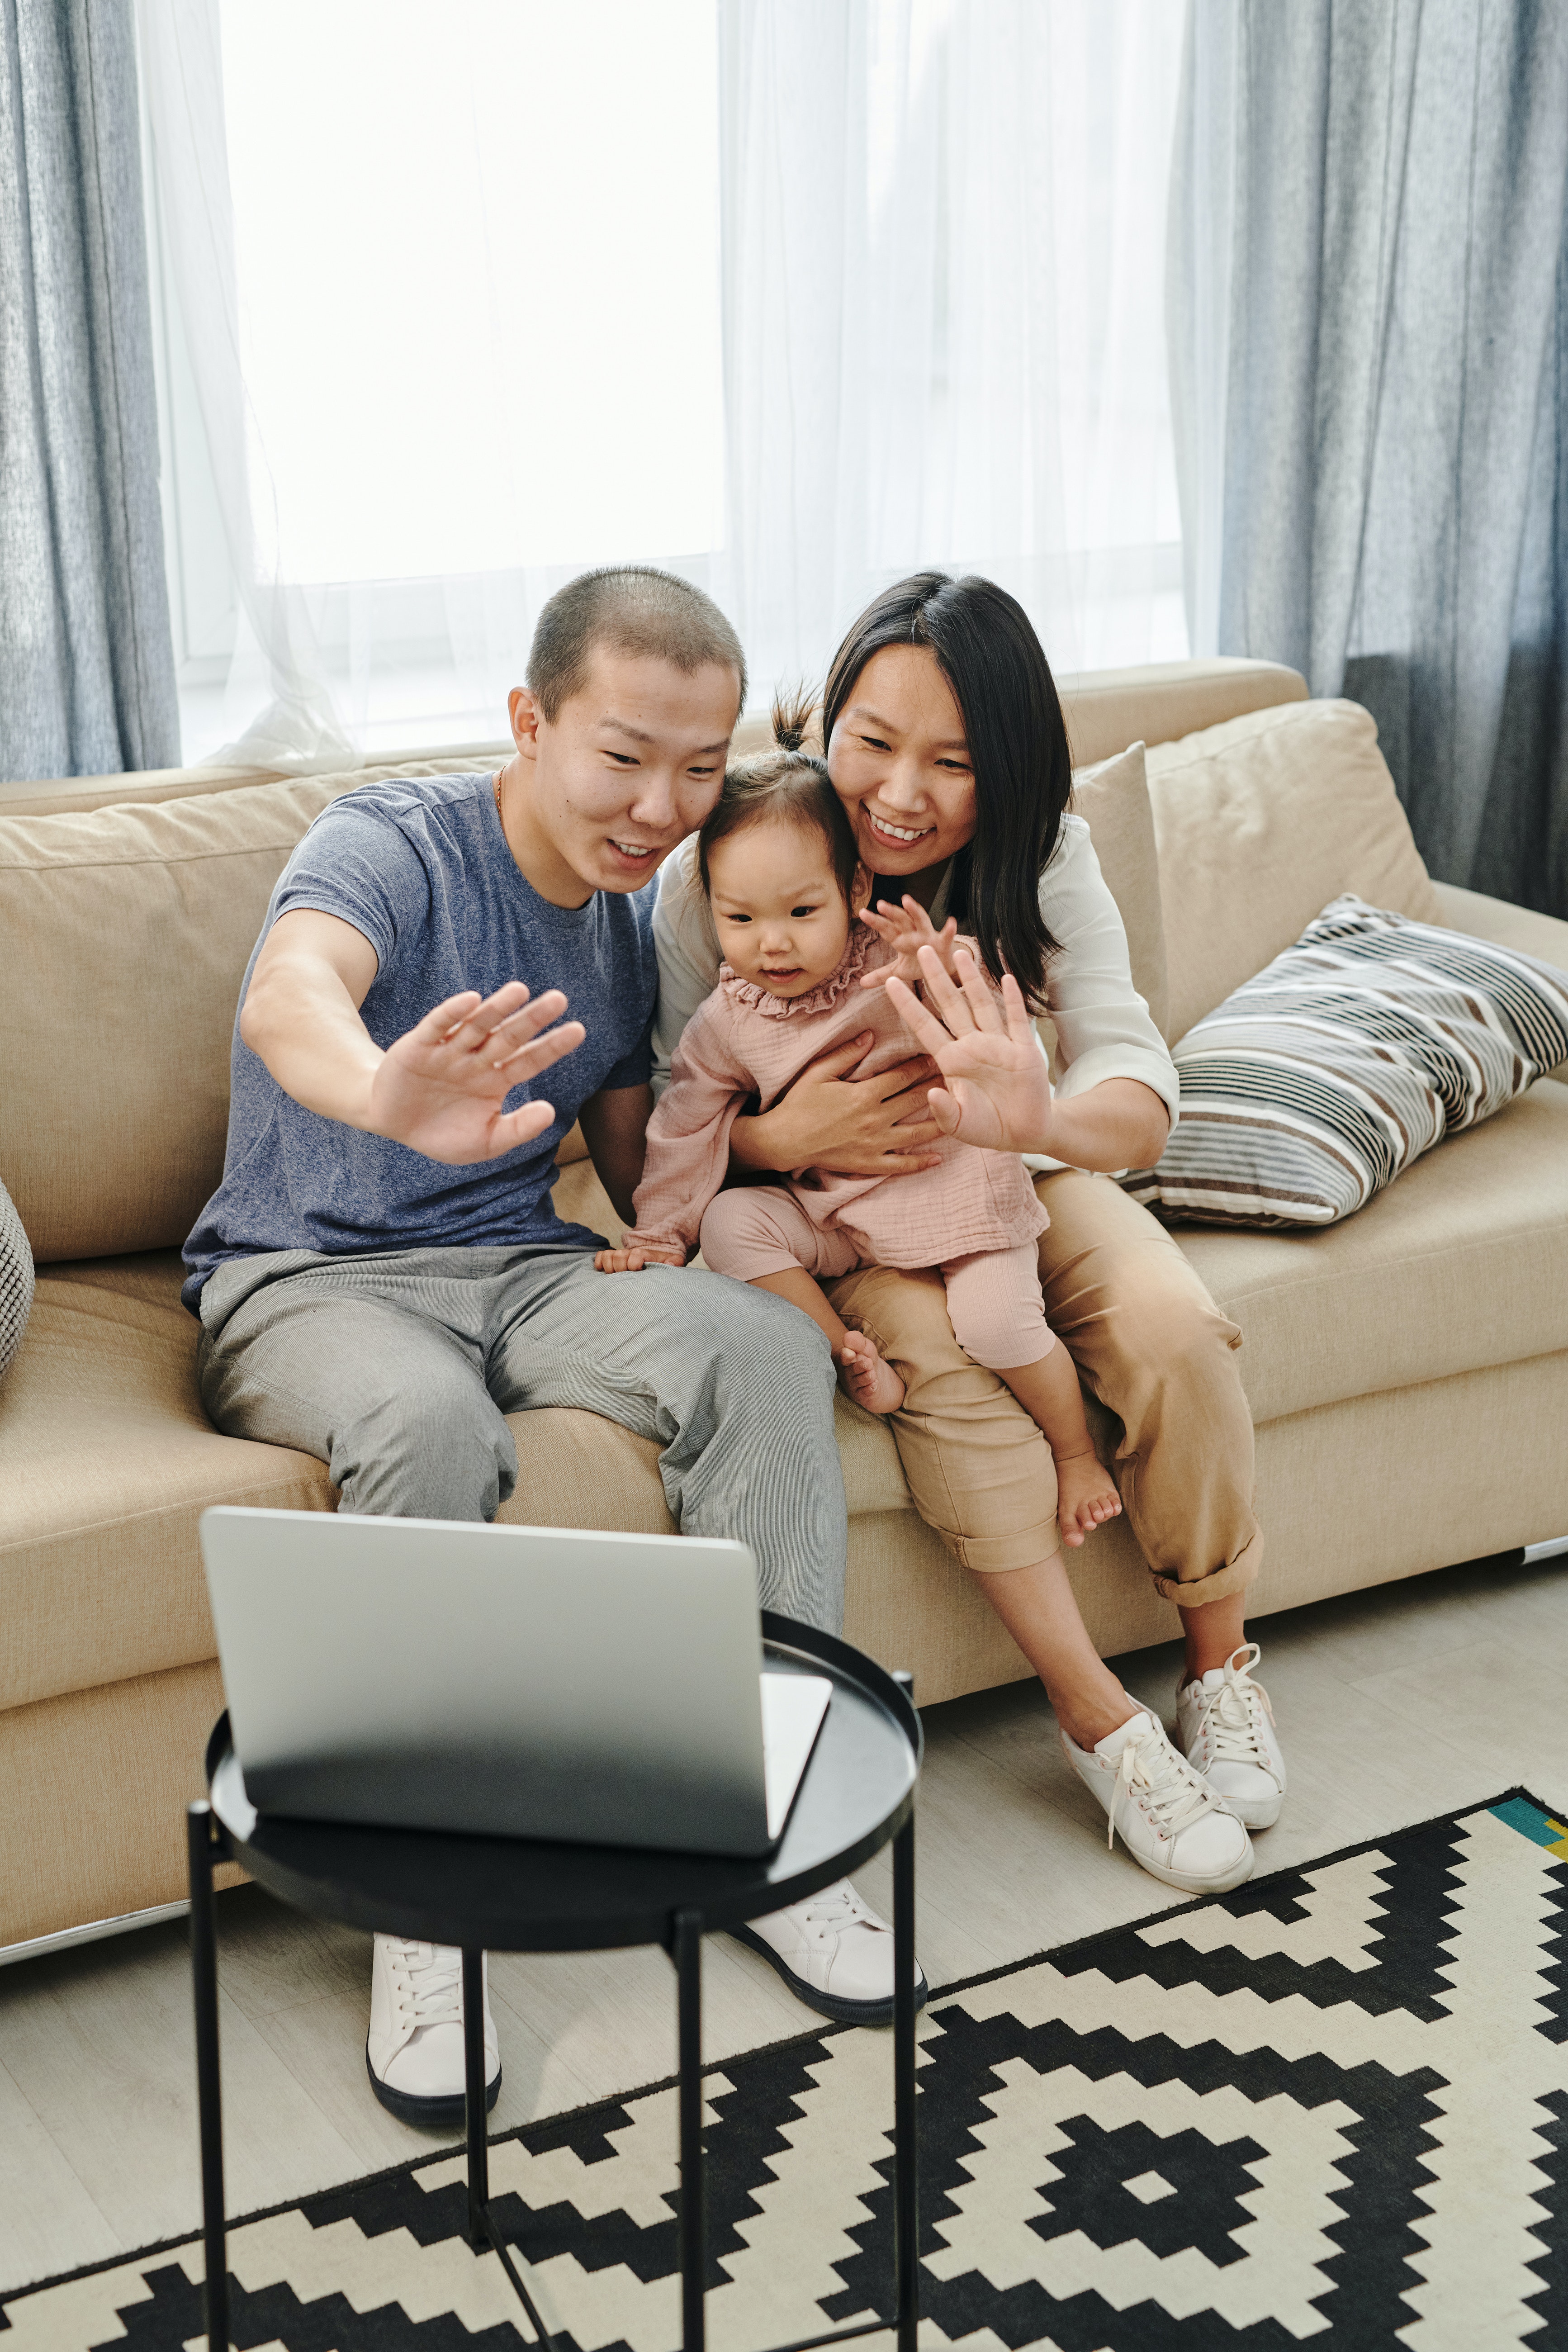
(1330, 2107)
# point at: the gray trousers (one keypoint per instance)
(396, 1372)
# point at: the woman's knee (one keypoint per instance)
(906, 1314)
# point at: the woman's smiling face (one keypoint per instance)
(900, 762)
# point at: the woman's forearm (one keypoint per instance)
(755, 1142)
(1121, 1123)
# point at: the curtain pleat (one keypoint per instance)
(87, 666)
(1379, 455)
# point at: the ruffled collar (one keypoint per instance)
(820, 998)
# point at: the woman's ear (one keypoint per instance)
(860, 890)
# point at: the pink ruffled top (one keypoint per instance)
(744, 1042)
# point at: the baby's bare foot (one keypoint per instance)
(871, 1381)
(1086, 1495)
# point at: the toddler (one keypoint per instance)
(806, 964)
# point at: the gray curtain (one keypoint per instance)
(87, 665)
(1368, 315)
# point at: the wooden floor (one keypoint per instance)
(1393, 1705)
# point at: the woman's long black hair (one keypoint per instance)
(996, 666)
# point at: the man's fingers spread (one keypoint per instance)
(524, 1019)
(443, 1021)
(521, 1127)
(542, 1051)
(498, 1008)
(525, 1023)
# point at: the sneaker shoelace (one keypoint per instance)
(1235, 1713)
(838, 1907)
(1174, 1795)
(431, 1976)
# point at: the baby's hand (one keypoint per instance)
(906, 929)
(634, 1256)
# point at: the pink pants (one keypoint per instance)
(993, 1295)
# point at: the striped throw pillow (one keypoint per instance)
(1358, 1049)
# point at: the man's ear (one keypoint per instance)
(525, 715)
(860, 889)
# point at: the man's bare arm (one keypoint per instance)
(615, 1128)
(440, 1088)
(301, 1014)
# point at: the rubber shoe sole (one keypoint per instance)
(827, 2004)
(444, 2110)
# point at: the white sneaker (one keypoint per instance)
(414, 2050)
(1225, 1726)
(835, 1954)
(1171, 1819)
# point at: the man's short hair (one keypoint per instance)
(634, 609)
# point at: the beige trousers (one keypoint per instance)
(1148, 1342)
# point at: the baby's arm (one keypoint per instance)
(687, 1146)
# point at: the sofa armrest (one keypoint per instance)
(1540, 936)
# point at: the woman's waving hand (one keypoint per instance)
(997, 1094)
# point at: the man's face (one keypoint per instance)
(627, 768)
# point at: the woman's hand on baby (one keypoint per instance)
(906, 929)
(633, 1256)
(997, 1094)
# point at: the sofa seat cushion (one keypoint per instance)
(107, 1461)
(1462, 1264)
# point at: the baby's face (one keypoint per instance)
(777, 908)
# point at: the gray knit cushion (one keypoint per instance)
(16, 1280)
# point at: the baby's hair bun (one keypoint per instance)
(793, 710)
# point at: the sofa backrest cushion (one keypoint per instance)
(124, 935)
(1114, 800)
(1260, 822)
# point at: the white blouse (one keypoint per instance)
(1102, 1024)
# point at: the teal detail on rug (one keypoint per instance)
(1531, 1822)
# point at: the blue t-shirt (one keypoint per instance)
(421, 866)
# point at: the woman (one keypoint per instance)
(946, 745)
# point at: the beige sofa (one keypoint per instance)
(1407, 1370)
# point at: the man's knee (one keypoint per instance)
(432, 1449)
(759, 1355)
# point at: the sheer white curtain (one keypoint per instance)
(793, 296)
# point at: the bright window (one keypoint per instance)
(456, 189)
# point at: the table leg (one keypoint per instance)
(906, 2155)
(209, 2096)
(688, 1955)
(474, 2097)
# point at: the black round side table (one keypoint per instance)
(514, 1895)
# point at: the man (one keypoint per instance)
(381, 1276)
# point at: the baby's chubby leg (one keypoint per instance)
(999, 1318)
(760, 1234)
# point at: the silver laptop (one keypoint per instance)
(525, 1682)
